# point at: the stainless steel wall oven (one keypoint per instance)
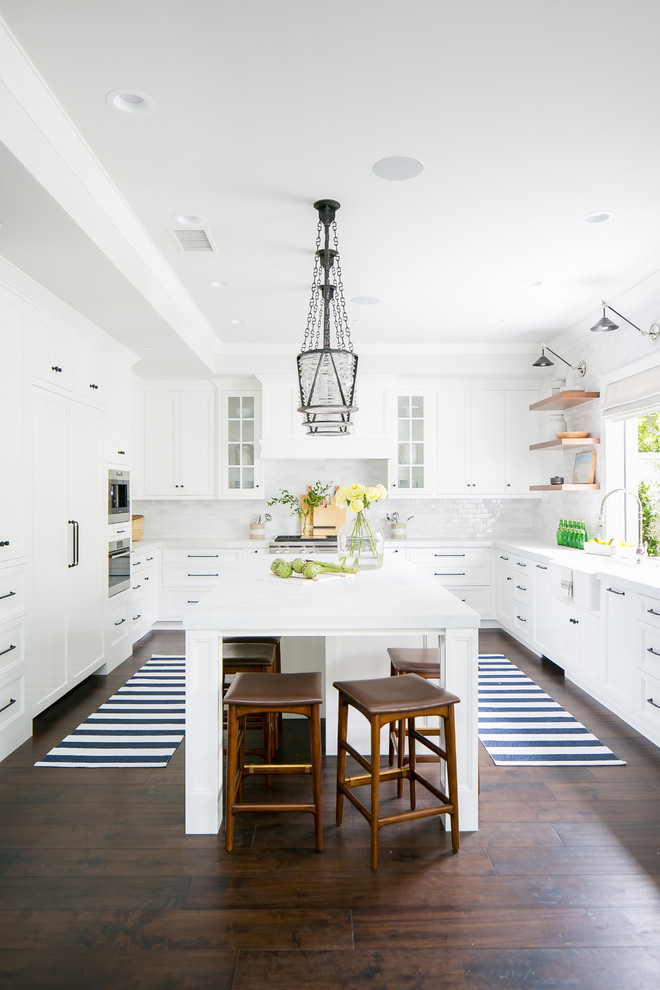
(119, 566)
(119, 496)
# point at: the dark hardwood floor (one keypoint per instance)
(101, 888)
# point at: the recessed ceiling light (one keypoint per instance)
(601, 216)
(365, 300)
(188, 219)
(397, 168)
(532, 283)
(215, 284)
(237, 323)
(126, 101)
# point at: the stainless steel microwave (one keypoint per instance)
(119, 496)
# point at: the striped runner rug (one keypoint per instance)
(520, 724)
(139, 726)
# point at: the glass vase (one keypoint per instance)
(360, 543)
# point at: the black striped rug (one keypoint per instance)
(139, 726)
(520, 724)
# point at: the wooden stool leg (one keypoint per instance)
(412, 758)
(342, 723)
(317, 788)
(230, 784)
(375, 788)
(452, 776)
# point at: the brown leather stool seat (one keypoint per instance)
(427, 662)
(256, 656)
(272, 694)
(384, 700)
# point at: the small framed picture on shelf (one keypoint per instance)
(584, 471)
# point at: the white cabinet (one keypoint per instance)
(69, 587)
(15, 716)
(240, 432)
(646, 702)
(620, 655)
(63, 359)
(483, 438)
(514, 589)
(545, 633)
(465, 571)
(581, 654)
(118, 418)
(179, 443)
(187, 574)
(411, 469)
(119, 630)
(145, 573)
(12, 418)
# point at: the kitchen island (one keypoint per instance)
(358, 616)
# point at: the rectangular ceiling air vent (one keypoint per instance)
(193, 239)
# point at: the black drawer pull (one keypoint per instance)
(149, 558)
(503, 558)
(136, 587)
(652, 611)
(520, 564)
(203, 575)
(576, 622)
(542, 567)
(520, 587)
(615, 592)
(520, 618)
(8, 595)
(203, 555)
(654, 652)
(193, 601)
(120, 622)
(12, 701)
(449, 574)
(8, 650)
(652, 702)
(448, 554)
(136, 617)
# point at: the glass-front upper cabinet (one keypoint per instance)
(240, 431)
(411, 469)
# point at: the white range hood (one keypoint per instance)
(283, 435)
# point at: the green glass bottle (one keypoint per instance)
(560, 532)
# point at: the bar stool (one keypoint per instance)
(241, 655)
(427, 662)
(268, 694)
(384, 700)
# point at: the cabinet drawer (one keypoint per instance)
(119, 619)
(478, 598)
(142, 561)
(13, 599)
(522, 589)
(211, 558)
(178, 603)
(454, 567)
(648, 700)
(195, 574)
(650, 610)
(12, 645)
(12, 698)
(143, 578)
(649, 659)
(522, 619)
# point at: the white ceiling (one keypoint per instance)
(526, 116)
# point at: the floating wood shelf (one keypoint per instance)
(564, 400)
(571, 442)
(564, 488)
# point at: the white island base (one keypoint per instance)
(358, 617)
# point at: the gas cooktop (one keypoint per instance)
(295, 540)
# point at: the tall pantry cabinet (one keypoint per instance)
(69, 585)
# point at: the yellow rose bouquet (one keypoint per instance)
(357, 541)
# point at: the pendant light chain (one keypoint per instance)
(343, 331)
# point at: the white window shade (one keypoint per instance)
(636, 395)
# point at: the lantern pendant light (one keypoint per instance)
(327, 366)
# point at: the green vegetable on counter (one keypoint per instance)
(309, 569)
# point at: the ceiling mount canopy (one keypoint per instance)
(327, 366)
(544, 362)
(604, 325)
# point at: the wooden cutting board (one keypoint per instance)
(327, 519)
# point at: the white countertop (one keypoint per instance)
(397, 596)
